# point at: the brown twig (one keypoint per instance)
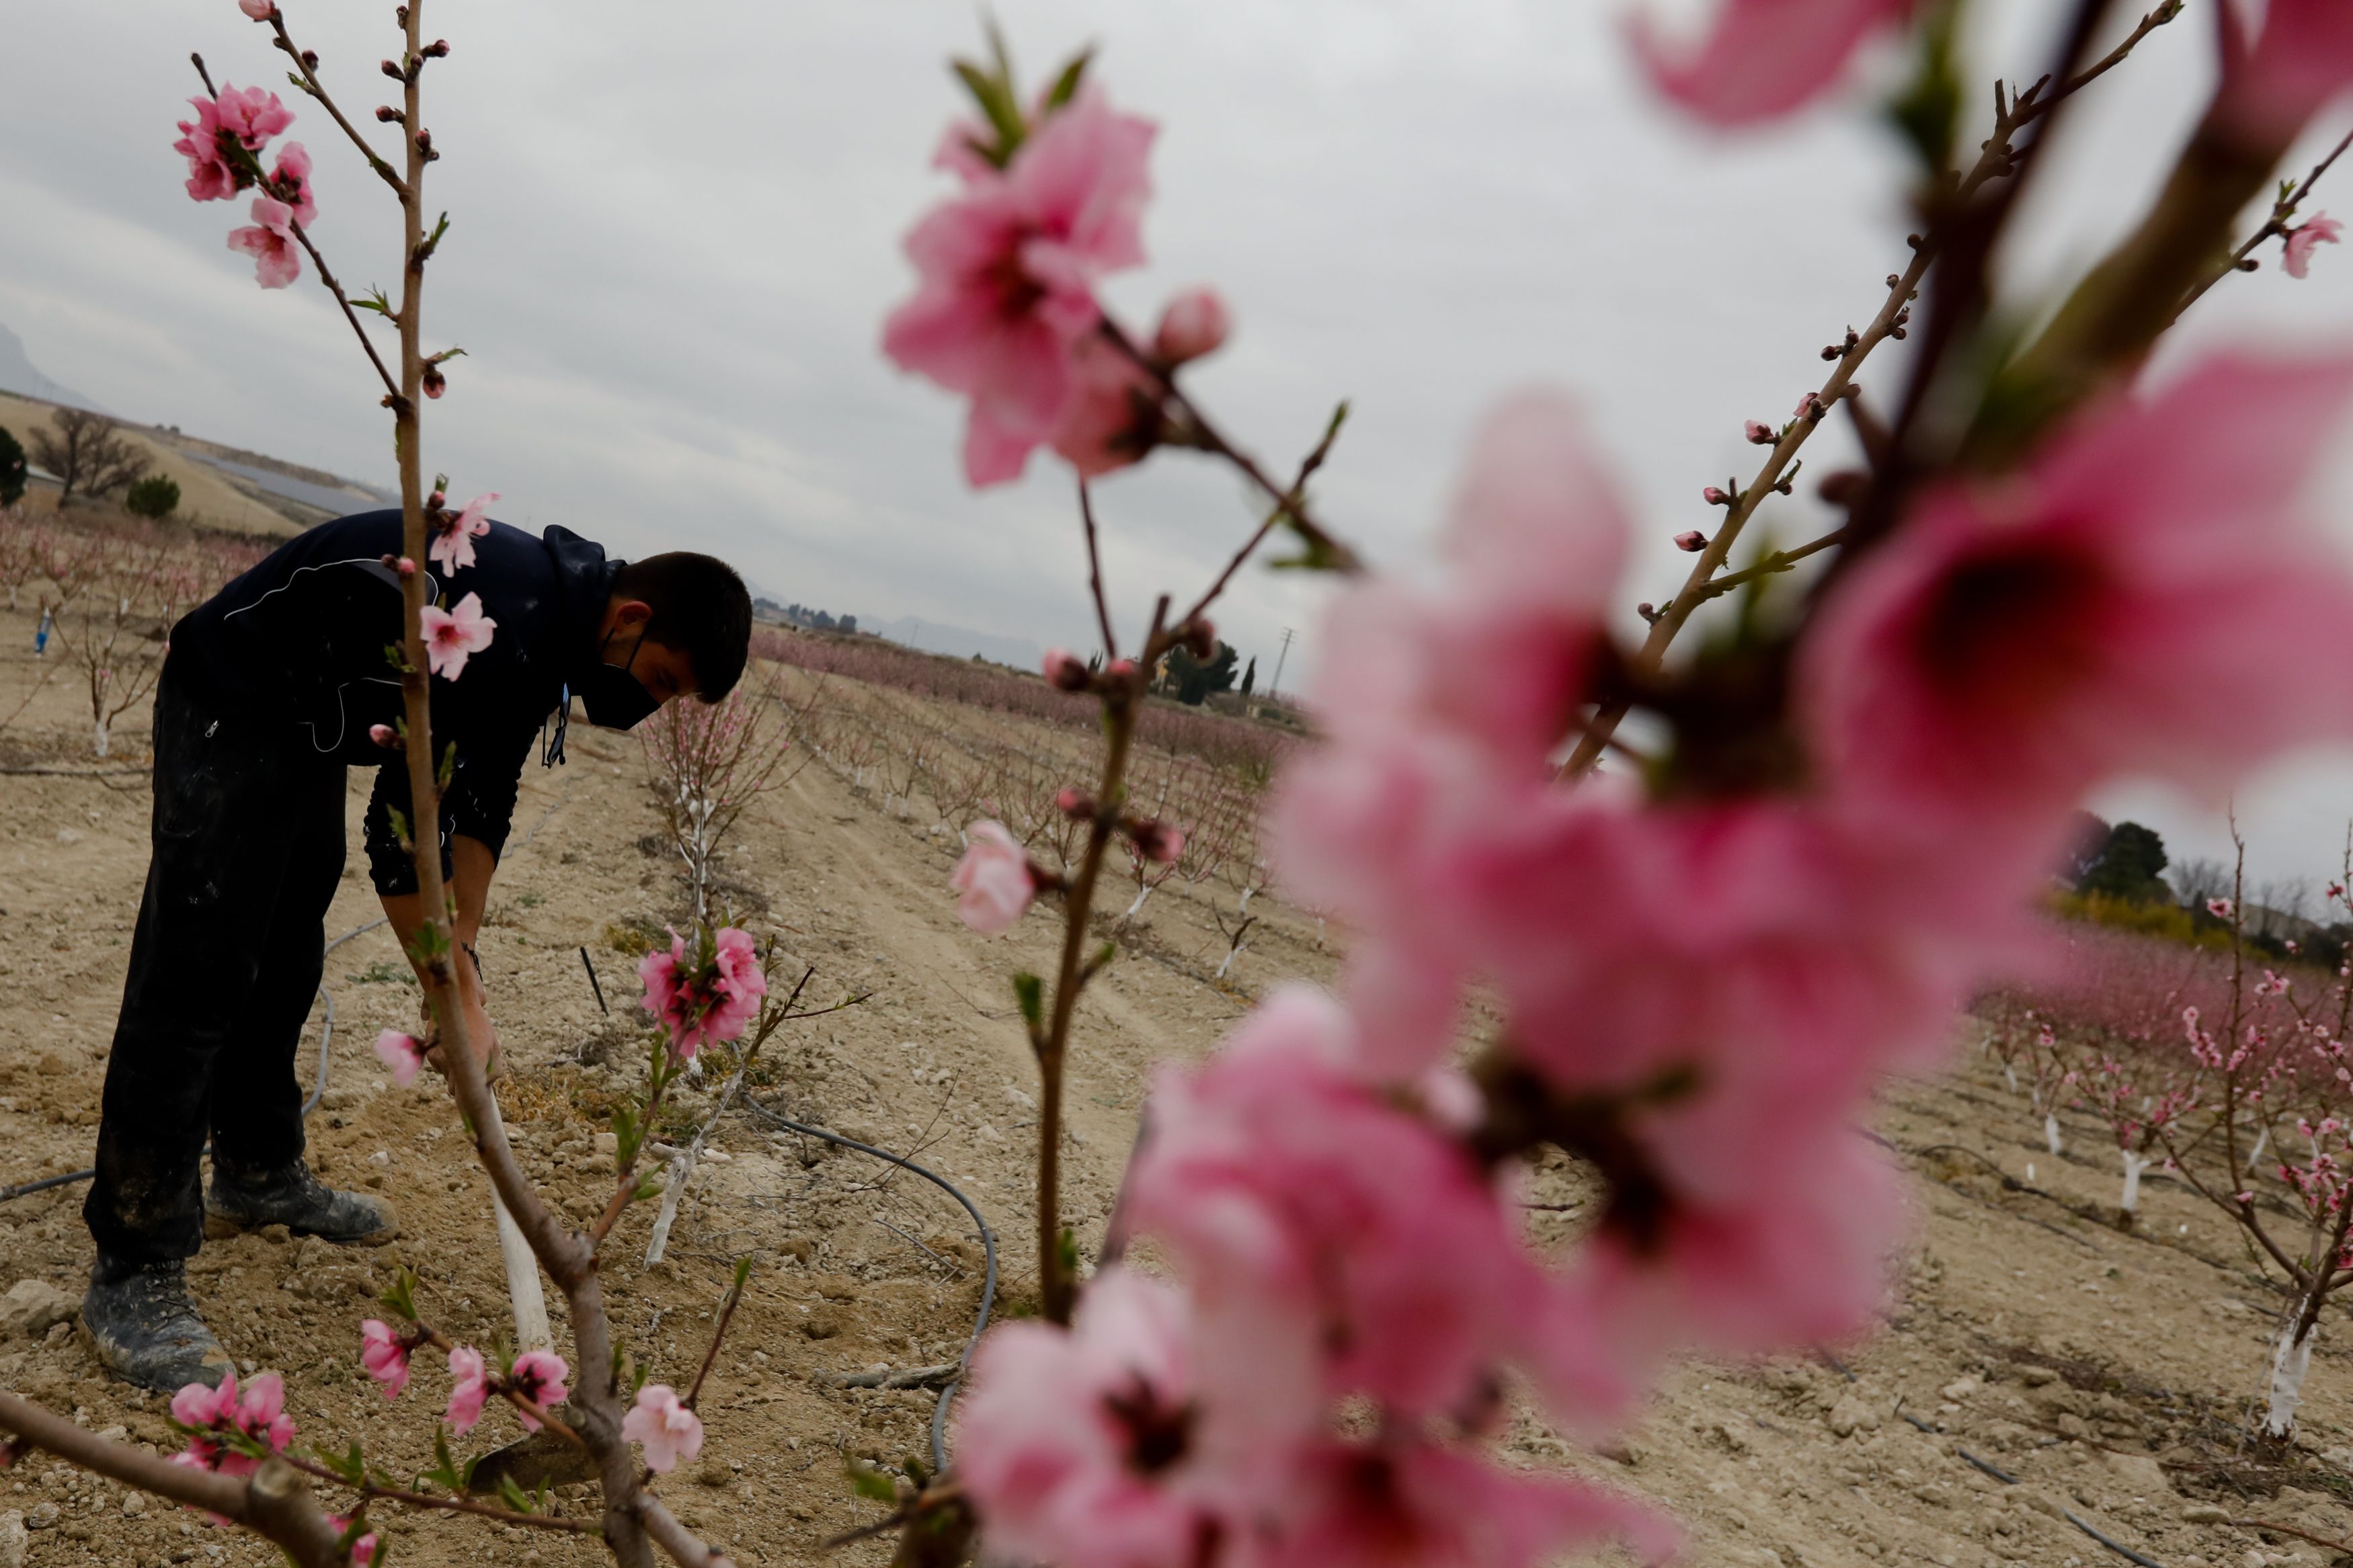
(2282, 210)
(371, 1491)
(310, 84)
(718, 1332)
(273, 1501)
(1285, 506)
(673, 1537)
(391, 388)
(1094, 573)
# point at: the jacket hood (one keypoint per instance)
(584, 584)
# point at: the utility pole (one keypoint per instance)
(1275, 685)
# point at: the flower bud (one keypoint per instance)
(385, 735)
(438, 50)
(408, 566)
(1691, 542)
(1195, 324)
(1065, 671)
(438, 500)
(310, 59)
(1121, 670)
(259, 10)
(1761, 434)
(434, 383)
(392, 71)
(1075, 804)
(1157, 841)
(389, 114)
(1715, 497)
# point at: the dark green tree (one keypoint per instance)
(1250, 678)
(154, 496)
(2129, 865)
(12, 469)
(1194, 679)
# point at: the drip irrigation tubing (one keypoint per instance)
(311, 1103)
(988, 1251)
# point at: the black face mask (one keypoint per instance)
(612, 698)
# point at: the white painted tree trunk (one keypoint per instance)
(2051, 1132)
(1145, 893)
(2134, 1166)
(101, 737)
(2291, 1360)
(2010, 1073)
(2256, 1153)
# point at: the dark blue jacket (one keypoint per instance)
(305, 636)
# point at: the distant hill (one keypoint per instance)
(959, 642)
(20, 375)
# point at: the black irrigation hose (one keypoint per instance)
(988, 1249)
(318, 1087)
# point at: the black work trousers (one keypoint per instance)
(249, 846)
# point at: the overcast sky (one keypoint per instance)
(675, 236)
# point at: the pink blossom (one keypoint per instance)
(668, 1431)
(2305, 238)
(1407, 1503)
(384, 1356)
(1763, 58)
(1440, 701)
(992, 881)
(1195, 324)
(2277, 80)
(471, 1387)
(292, 174)
(401, 1053)
(1691, 542)
(258, 1413)
(2220, 910)
(454, 545)
(211, 176)
(1008, 270)
(1065, 671)
(1093, 1444)
(1112, 415)
(539, 1376)
(1306, 1205)
(1161, 842)
(251, 115)
(277, 259)
(363, 1548)
(452, 636)
(2123, 605)
(703, 998)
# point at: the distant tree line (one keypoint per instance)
(91, 458)
(803, 616)
(2123, 868)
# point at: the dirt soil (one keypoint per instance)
(2102, 1375)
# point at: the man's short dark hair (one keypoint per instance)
(701, 607)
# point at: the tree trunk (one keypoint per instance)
(2129, 1205)
(2051, 1132)
(2291, 1360)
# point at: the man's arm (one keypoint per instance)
(471, 865)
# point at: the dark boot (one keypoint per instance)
(145, 1327)
(291, 1197)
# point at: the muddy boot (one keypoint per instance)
(145, 1328)
(291, 1197)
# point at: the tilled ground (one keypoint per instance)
(2102, 1375)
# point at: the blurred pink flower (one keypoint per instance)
(454, 545)
(471, 1387)
(992, 881)
(363, 1548)
(1408, 1504)
(1442, 701)
(383, 1357)
(1112, 415)
(452, 636)
(667, 1431)
(2125, 603)
(293, 172)
(259, 10)
(1008, 270)
(1195, 324)
(1295, 1192)
(539, 1376)
(2275, 81)
(277, 259)
(1763, 58)
(1065, 671)
(402, 1054)
(2305, 238)
(1093, 1445)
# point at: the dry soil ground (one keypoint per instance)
(2104, 1372)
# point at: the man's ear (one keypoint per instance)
(628, 615)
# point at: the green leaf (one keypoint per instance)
(650, 1184)
(1106, 953)
(742, 1271)
(374, 300)
(513, 1496)
(448, 768)
(1066, 85)
(400, 1296)
(997, 107)
(400, 827)
(627, 1134)
(868, 1482)
(1066, 1247)
(1030, 993)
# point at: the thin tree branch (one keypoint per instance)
(674, 1538)
(310, 84)
(371, 1491)
(718, 1332)
(2277, 224)
(1285, 506)
(1094, 573)
(391, 388)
